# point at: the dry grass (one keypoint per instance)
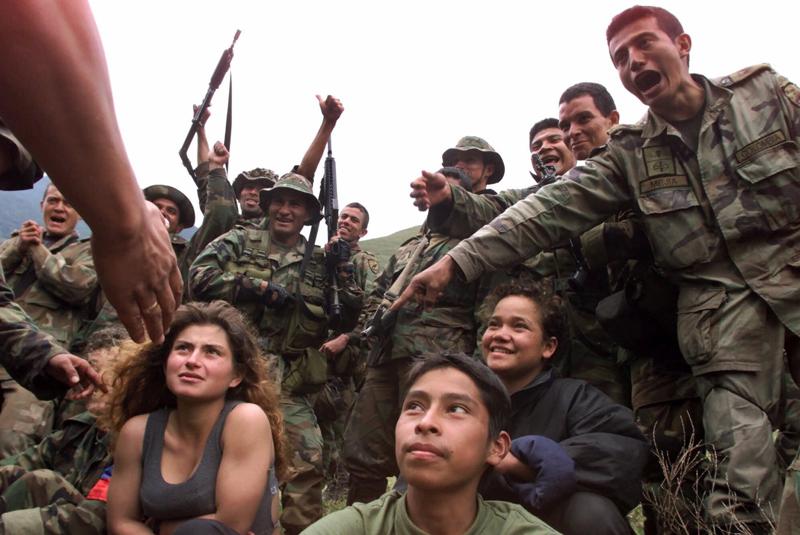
(679, 499)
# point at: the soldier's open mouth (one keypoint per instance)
(549, 159)
(646, 80)
(57, 219)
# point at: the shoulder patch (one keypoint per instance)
(373, 265)
(790, 89)
(741, 74)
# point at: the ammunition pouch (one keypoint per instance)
(306, 369)
(305, 373)
(307, 327)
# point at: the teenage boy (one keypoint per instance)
(450, 430)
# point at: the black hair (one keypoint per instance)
(361, 207)
(544, 124)
(493, 393)
(667, 22)
(549, 304)
(600, 95)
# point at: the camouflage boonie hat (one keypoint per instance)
(468, 143)
(294, 182)
(259, 177)
(162, 191)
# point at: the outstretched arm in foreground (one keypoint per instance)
(55, 96)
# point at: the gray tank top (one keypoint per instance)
(197, 495)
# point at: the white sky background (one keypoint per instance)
(413, 76)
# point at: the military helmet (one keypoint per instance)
(468, 143)
(259, 177)
(162, 191)
(294, 182)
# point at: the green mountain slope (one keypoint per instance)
(385, 246)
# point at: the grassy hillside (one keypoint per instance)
(385, 246)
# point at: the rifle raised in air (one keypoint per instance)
(339, 250)
(223, 65)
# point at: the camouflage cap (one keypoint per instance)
(162, 191)
(468, 143)
(259, 177)
(294, 182)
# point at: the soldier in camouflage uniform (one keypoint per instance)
(263, 273)
(51, 273)
(713, 170)
(218, 200)
(589, 354)
(178, 211)
(58, 485)
(344, 351)
(369, 438)
(31, 357)
(663, 393)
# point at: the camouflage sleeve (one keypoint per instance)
(219, 213)
(201, 173)
(621, 239)
(468, 212)
(24, 350)
(63, 516)
(37, 456)
(789, 95)
(208, 278)
(9, 254)
(586, 196)
(74, 280)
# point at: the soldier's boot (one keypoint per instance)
(365, 490)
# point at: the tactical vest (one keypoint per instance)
(297, 331)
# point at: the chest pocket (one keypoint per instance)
(773, 184)
(675, 225)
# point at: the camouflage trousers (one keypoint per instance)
(789, 521)
(735, 347)
(369, 437)
(24, 420)
(302, 494)
(669, 414)
(332, 408)
(43, 502)
(788, 440)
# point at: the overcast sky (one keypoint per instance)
(413, 76)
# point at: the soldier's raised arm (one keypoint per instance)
(331, 109)
(55, 96)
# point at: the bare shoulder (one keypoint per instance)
(248, 419)
(131, 435)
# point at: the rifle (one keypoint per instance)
(329, 199)
(578, 279)
(382, 316)
(223, 65)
